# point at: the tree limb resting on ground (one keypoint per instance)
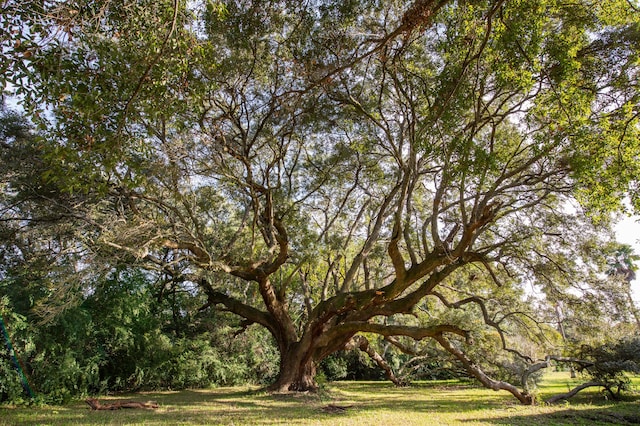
(96, 405)
(573, 392)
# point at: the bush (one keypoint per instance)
(611, 362)
(122, 338)
(334, 367)
(12, 387)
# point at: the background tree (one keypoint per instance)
(324, 171)
(622, 268)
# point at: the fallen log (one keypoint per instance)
(96, 405)
(336, 409)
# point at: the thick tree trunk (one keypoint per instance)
(297, 373)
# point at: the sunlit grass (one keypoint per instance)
(371, 403)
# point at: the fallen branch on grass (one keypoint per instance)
(96, 405)
(335, 409)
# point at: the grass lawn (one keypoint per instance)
(370, 403)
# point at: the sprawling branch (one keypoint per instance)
(360, 342)
(417, 333)
(372, 238)
(485, 315)
(416, 18)
(574, 391)
(476, 372)
(547, 363)
(237, 307)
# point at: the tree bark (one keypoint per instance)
(96, 405)
(475, 371)
(297, 372)
(362, 343)
(547, 362)
(573, 392)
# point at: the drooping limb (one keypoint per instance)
(362, 343)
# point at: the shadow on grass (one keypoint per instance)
(254, 406)
(367, 401)
(419, 397)
(225, 406)
(616, 415)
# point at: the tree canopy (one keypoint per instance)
(333, 171)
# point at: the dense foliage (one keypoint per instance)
(439, 175)
(121, 337)
(612, 360)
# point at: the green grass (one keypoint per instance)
(372, 403)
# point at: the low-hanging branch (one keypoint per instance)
(574, 391)
(475, 370)
(547, 363)
(487, 319)
(362, 343)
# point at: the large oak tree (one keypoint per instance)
(327, 169)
